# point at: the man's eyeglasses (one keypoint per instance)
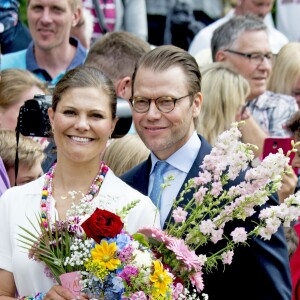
(255, 58)
(164, 104)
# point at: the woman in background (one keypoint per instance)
(224, 95)
(16, 86)
(285, 76)
(224, 102)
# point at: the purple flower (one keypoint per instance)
(138, 296)
(128, 272)
(126, 253)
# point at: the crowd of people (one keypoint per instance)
(87, 55)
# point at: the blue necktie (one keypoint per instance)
(159, 169)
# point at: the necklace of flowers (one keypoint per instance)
(48, 185)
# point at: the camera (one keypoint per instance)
(33, 119)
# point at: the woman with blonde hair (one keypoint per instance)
(16, 86)
(224, 94)
(285, 76)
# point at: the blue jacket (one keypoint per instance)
(259, 271)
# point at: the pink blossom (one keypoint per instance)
(206, 226)
(138, 296)
(183, 253)
(239, 235)
(216, 235)
(199, 195)
(177, 291)
(204, 178)
(154, 233)
(197, 281)
(216, 188)
(227, 257)
(179, 215)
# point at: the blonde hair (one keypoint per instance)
(286, 69)
(224, 92)
(29, 151)
(73, 4)
(125, 153)
(14, 82)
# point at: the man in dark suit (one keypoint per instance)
(166, 101)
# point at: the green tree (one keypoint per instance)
(23, 11)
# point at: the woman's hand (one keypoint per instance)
(289, 183)
(58, 292)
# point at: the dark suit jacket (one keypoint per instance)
(259, 271)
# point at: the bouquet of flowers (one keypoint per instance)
(166, 264)
(204, 216)
(98, 258)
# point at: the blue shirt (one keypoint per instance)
(25, 60)
(180, 164)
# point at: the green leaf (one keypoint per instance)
(141, 239)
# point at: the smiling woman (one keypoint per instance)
(82, 116)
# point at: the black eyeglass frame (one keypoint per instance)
(131, 100)
(251, 56)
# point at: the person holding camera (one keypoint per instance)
(83, 117)
(52, 51)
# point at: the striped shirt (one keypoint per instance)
(108, 8)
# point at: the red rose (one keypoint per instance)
(102, 224)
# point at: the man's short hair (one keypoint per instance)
(116, 54)
(164, 57)
(226, 35)
(73, 3)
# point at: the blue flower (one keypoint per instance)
(118, 285)
(122, 241)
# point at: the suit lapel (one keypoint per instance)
(141, 178)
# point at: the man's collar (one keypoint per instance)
(31, 63)
(189, 151)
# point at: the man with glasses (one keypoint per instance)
(166, 101)
(243, 43)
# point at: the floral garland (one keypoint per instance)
(38, 296)
(47, 191)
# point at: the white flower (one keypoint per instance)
(239, 235)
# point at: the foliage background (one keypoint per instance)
(23, 11)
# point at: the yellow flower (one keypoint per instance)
(105, 254)
(160, 279)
